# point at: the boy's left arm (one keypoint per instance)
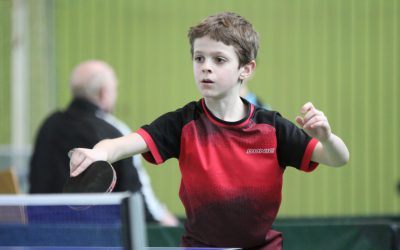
(330, 149)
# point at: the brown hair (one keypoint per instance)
(231, 29)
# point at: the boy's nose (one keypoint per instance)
(206, 67)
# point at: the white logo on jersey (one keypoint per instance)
(260, 151)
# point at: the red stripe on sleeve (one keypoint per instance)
(306, 164)
(153, 156)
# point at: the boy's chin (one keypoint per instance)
(211, 96)
(208, 93)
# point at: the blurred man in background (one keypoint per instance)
(86, 121)
(252, 97)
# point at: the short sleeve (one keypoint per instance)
(295, 147)
(163, 136)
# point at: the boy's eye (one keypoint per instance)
(199, 58)
(220, 60)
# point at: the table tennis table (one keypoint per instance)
(72, 221)
(26, 226)
(110, 248)
(75, 222)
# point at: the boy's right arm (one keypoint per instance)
(110, 150)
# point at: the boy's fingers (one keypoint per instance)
(300, 121)
(319, 124)
(315, 121)
(70, 153)
(82, 166)
(77, 161)
(306, 107)
(313, 113)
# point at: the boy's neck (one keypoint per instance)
(228, 109)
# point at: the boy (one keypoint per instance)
(231, 154)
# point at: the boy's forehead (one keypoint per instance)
(207, 44)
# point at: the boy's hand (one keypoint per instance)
(81, 158)
(314, 122)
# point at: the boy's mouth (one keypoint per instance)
(206, 81)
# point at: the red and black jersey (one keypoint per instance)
(231, 171)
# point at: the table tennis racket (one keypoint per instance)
(99, 177)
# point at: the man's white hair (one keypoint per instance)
(89, 77)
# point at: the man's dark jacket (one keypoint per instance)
(77, 126)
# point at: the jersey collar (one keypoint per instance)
(222, 123)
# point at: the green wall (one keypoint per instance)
(343, 55)
(5, 55)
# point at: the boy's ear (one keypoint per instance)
(247, 70)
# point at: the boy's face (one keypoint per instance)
(216, 68)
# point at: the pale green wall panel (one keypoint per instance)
(5, 57)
